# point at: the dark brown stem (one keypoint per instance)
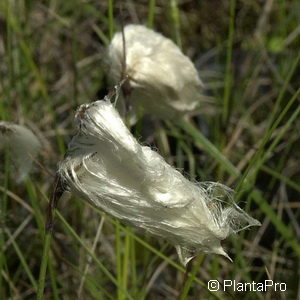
(57, 193)
(188, 269)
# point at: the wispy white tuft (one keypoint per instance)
(22, 145)
(163, 81)
(108, 167)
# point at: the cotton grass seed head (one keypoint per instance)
(162, 81)
(108, 167)
(22, 144)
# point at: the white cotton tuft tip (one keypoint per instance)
(108, 168)
(219, 250)
(22, 144)
(162, 81)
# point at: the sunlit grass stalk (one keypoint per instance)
(86, 269)
(151, 13)
(118, 246)
(175, 14)
(125, 264)
(111, 18)
(53, 278)
(228, 79)
(133, 275)
(43, 268)
(228, 72)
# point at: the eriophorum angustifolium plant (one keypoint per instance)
(161, 80)
(108, 167)
(23, 146)
(54, 57)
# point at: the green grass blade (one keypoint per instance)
(43, 269)
(111, 18)
(175, 14)
(151, 13)
(228, 73)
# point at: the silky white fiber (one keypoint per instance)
(106, 166)
(22, 144)
(162, 81)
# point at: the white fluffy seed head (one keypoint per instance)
(163, 82)
(22, 144)
(108, 167)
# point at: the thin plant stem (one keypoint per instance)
(151, 13)
(228, 74)
(86, 269)
(58, 193)
(110, 18)
(43, 269)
